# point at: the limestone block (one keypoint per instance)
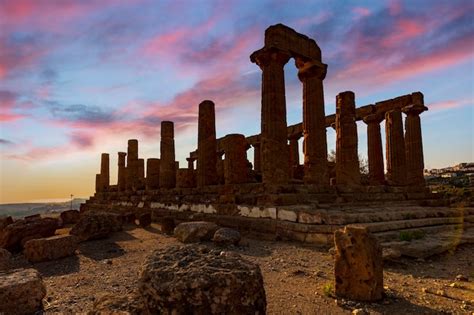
(287, 215)
(12, 236)
(309, 218)
(358, 265)
(96, 225)
(50, 248)
(21, 292)
(4, 221)
(70, 216)
(193, 232)
(178, 279)
(226, 236)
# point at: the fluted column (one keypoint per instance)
(257, 158)
(374, 149)
(235, 162)
(105, 171)
(347, 159)
(152, 174)
(294, 155)
(121, 176)
(312, 74)
(167, 162)
(132, 165)
(395, 147)
(414, 144)
(207, 145)
(273, 137)
(190, 163)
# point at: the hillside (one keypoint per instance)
(25, 209)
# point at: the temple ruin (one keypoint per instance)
(274, 193)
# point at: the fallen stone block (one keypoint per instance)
(70, 216)
(226, 236)
(15, 235)
(96, 226)
(33, 217)
(21, 292)
(193, 232)
(51, 248)
(358, 266)
(5, 259)
(194, 279)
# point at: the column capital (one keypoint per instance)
(190, 159)
(415, 109)
(295, 136)
(267, 56)
(373, 119)
(310, 68)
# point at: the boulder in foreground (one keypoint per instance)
(21, 292)
(96, 225)
(193, 232)
(358, 266)
(193, 279)
(51, 248)
(13, 235)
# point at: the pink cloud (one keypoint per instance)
(361, 11)
(405, 29)
(450, 104)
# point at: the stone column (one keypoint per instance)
(374, 149)
(132, 165)
(207, 145)
(185, 178)
(105, 171)
(167, 162)
(414, 144)
(98, 183)
(121, 176)
(257, 159)
(347, 160)
(312, 74)
(190, 163)
(294, 155)
(220, 167)
(395, 146)
(152, 174)
(273, 137)
(235, 162)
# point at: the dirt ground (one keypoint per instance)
(298, 278)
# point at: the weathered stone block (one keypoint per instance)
(4, 221)
(358, 265)
(12, 236)
(194, 279)
(21, 292)
(51, 248)
(287, 215)
(70, 216)
(226, 236)
(192, 232)
(309, 218)
(96, 225)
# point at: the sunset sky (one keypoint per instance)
(78, 78)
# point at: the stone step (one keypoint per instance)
(367, 215)
(437, 242)
(407, 224)
(395, 235)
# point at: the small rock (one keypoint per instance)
(193, 232)
(360, 311)
(462, 278)
(226, 236)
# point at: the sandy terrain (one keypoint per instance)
(298, 278)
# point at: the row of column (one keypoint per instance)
(273, 145)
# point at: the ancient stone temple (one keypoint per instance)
(273, 193)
